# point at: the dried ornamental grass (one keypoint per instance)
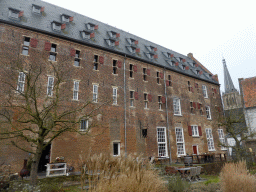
(108, 173)
(236, 178)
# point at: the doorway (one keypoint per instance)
(195, 149)
(45, 158)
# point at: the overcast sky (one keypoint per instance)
(208, 29)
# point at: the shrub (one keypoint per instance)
(176, 184)
(235, 177)
(108, 173)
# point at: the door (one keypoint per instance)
(45, 158)
(195, 149)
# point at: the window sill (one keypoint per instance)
(114, 74)
(95, 70)
(224, 149)
(209, 119)
(132, 107)
(115, 105)
(212, 150)
(206, 97)
(131, 77)
(177, 115)
(196, 136)
(146, 108)
(52, 61)
(24, 55)
(75, 99)
(145, 81)
(83, 130)
(160, 110)
(77, 66)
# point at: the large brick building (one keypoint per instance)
(163, 103)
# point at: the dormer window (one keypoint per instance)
(110, 42)
(90, 26)
(131, 49)
(150, 55)
(132, 41)
(178, 59)
(85, 35)
(169, 55)
(36, 9)
(151, 48)
(183, 67)
(197, 72)
(15, 14)
(56, 26)
(113, 34)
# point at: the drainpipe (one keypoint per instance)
(125, 142)
(167, 119)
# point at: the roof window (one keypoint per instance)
(131, 49)
(37, 9)
(66, 18)
(113, 34)
(85, 34)
(110, 42)
(15, 14)
(56, 26)
(132, 41)
(90, 26)
(151, 48)
(150, 55)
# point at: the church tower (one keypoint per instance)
(231, 97)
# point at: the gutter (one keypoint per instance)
(103, 48)
(125, 139)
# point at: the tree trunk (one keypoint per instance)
(34, 166)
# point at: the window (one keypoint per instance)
(162, 143)
(131, 70)
(110, 42)
(53, 53)
(96, 62)
(158, 77)
(116, 149)
(56, 26)
(197, 87)
(145, 74)
(180, 141)
(169, 81)
(14, 13)
(131, 98)
(85, 35)
(150, 55)
(131, 49)
(95, 93)
(222, 138)
(204, 88)
(195, 131)
(200, 108)
(132, 41)
(192, 110)
(176, 106)
(197, 72)
(114, 66)
(84, 125)
(151, 48)
(50, 86)
(183, 67)
(145, 100)
(25, 46)
(208, 112)
(36, 9)
(75, 90)
(209, 137)
(77, 59)
(114, 96)
(190, 87)
(21, 82)
(213, 92)
(159, 102)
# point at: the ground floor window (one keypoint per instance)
(162, 142)
(116, 148)
(180, 141)
(210, 141)
(222, 138)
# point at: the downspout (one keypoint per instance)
(167, 118)
(125, 142)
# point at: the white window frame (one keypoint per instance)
(25, 46)
(132, 98)
(222, 138)
(114, 96)
(75, 90)
(95, 93)
(56, 26)
(84, 123)
(204, 88)
(159, 97)
(13, 14)
(208, 112)
(118, 148)
(65, 18)
(50, 87)
(176, 106)
(195, 131)
(36, 9)
(210, 141)
(162, 142)
(21, 82)
(85, 35)
(180, 140)
(145, 95)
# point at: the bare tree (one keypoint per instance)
(31, 117)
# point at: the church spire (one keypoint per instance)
(228, 83)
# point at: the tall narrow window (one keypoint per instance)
(114, 66)
(50, 86)
(95, 93)
(191, 108)
(114, 96)
(208, 112)
(25, 46)
(157, 77)
(53, 52)
(169, 80)
(77, 58)
(222, 139)
(162, 143)
(21, 82)
(180, 141)
(95, 62)
(200, 108)
(116, 149)
(75, 90)
(131, 71)
(131, 98)
(145, 100)
(176, 106)
(195, 131)
(189, 86)
(145, 74)
(84, 125)
(159, 102)
(204, 88)
(209, 137)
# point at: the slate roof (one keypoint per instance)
(228, 83)
(248, 91)
(43, 22)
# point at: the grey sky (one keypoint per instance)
(208, 29)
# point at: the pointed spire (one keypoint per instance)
(228, 83)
